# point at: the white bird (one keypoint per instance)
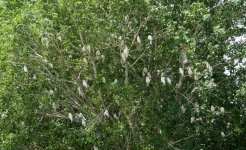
(106, 113)
(126, 18)
(59, 38)
(98, 53)
(85, 84)
(81, 93)
(181, 71)
(103, 57)
(115, 116)
(84, 48)
(222, 109)
(103, 80)
(222, 134)
(226, 57)
(83, 121)
(163, 80)
(236, 61)
(95, 148)
(227, 72)
(123, 57)
(138, 40)
(190, 72)
(238, 66)
(150, 38)
(88, 48)
(212, 108)
(183, 109)
(145, 70)
(126, 51)
(192, 119)
(148, 81)
(70, 116)
(80, 115)
(4, 116)
(51, 92)
(85, 60)
(34, 77)
(51, 65)
(243, 60)
(25, 69)
(169, 80)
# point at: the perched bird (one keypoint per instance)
(181, 71)
(106, 113)
(25, 69)
(222, 109)
(85, 84)
(169, 80)
(190, 72)
(126, 51)
(163, 80)
(150, 38)
(212, 108)
(148, 81)
(138, 40)
(70, 116)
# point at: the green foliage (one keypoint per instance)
(127, 74)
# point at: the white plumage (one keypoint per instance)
(88, 48)
(169, 80)
(190, 72)
(212, 108)
(148, 81)
(25, 69)
(126, 51)
(150, 38)
(70, 116)
(81, 93)
(145, 70)
(106, 113)
(51, 92)
(85, 84)
(83, 121)
(222, 109)
(103, 80)
(115, 116)
(192, 119)
(183, 109)
(123, 57)
(222, 134)
(98, 53)
(34, 77)
(138, 40)
(181, 71)
(163, 80)
(95, 148)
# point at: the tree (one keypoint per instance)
(122, 75)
